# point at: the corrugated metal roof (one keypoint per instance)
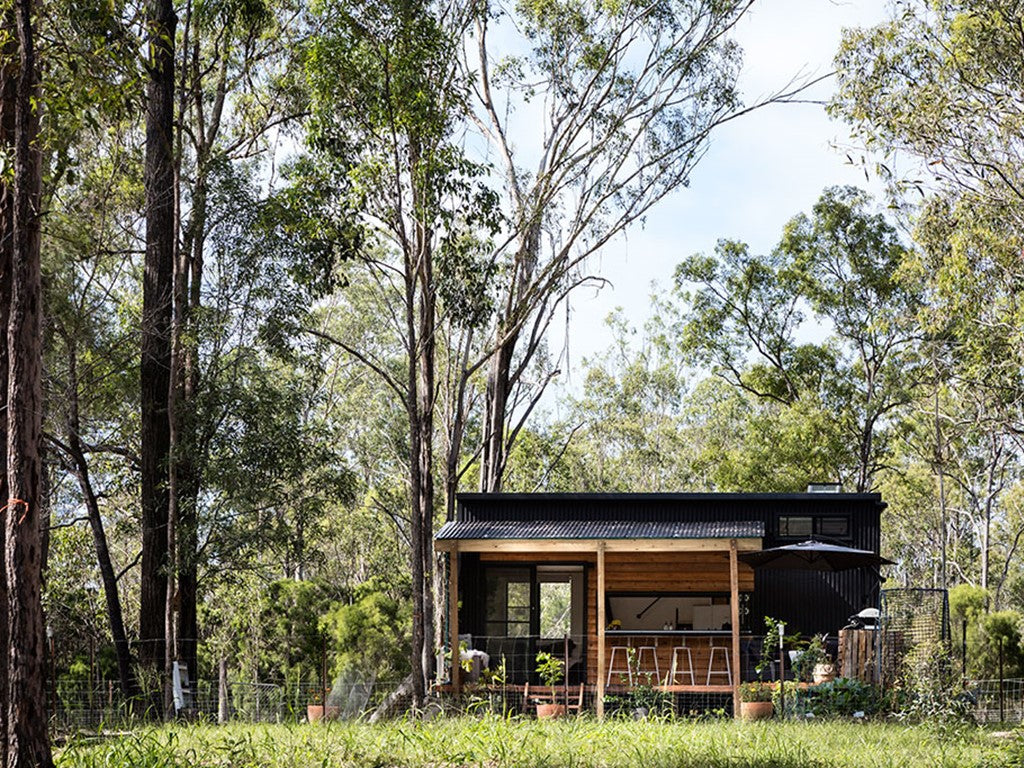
(600, 529)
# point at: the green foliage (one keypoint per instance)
(757, 691)
(932, 689)
(550, 668)
(292, 642)
(995, 630)
(526, 743)
(370, 636)
(986, 632)
(967, 601)
(840, 267)
(934, 83)
(843, 697)
(811, 655)
(932, 94)
(770, 644)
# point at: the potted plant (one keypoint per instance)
(824, 670)
(318, 709)
(315, 708)
(756, 700)
(812, 654)
(551, 669)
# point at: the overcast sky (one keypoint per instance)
(759, 172)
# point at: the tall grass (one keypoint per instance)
(574, 743)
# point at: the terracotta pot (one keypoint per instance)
(315, 712)
(545, 711)
(824, 673)
(756, 710)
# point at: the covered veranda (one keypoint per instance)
(690, 565)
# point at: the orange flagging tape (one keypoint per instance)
(11, 503)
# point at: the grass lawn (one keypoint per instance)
(579, 743)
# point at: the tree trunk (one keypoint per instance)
(156, 330)
(492, 459)
(8, 99)
(415, 519)
(499, 374)
(425, 407)
(189, 455)
(27, 740)
(115, 616)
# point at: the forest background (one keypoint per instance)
(321, 240)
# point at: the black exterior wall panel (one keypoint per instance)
(809, 602)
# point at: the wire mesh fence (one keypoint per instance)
(85, 706)
(81, 707)
(914, 622)
(513, 659)
(997, 701)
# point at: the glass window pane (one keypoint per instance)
(834, 526)
(555, 609)
(507, 611)
(518, 595)
(518, 614)
(795, 526)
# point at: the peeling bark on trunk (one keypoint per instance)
(156, 329)
(425, 417)
(8, 98)
(26, 736)
(500, 377)
(415, 490)
(492, 461)
(420, 317)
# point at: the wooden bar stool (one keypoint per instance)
(680, 653)
(653, 651)
(727, 672)
(628, 669)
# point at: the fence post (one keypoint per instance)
(1001, 717)
(963, 651)
(222, 692)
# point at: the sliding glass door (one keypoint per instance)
(533, 608)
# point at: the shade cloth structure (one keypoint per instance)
(813, 556)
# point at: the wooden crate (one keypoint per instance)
(857, 654)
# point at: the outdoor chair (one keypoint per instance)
(571, 696)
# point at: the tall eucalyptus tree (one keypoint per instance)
(26, 742)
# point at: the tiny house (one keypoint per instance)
(622, 585)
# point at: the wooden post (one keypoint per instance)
(601, 622)
(734, 602)
(453, 617)
(782, 671)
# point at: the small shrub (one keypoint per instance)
(932, 689)
(842, 697)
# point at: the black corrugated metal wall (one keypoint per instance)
(808, 602)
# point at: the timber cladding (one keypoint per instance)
(643, 572)
(648, 573)
(672, 572)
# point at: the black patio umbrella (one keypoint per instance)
(813, 556)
